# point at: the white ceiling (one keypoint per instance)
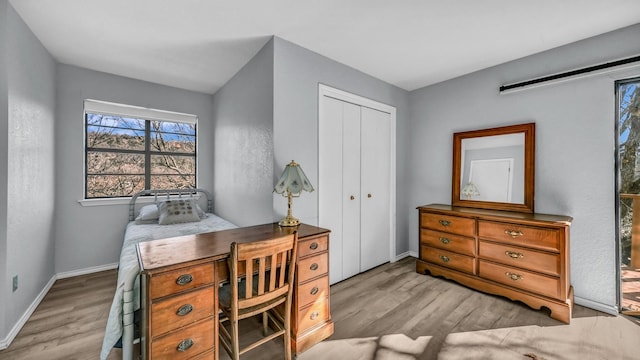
(200, 44)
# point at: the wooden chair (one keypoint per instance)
(269, 266)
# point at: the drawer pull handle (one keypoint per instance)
(513, 233)
(185, 345)
(184, 310)
(313, 246)
(513, 276)
(444, 258)
(313, 267)
(184, 279)
(514, 255)
(444, 222)
(314, 315)
(314, 290)
(444, 240)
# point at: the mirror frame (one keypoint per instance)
(529, 168)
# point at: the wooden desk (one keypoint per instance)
(180, 280)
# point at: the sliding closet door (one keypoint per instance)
(351, 199)
(375, 183)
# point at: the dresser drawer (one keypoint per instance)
(455, 243)
(312, 267)
(311, 291)
(450, 224)
(529, 259)
(177, 311)
(172, 282)
(184, 344)
(449, 259)
(312, 246)
(539, 238)
(521, 279)
(313, 315)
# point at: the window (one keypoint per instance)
(129, 149)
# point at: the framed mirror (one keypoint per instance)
(494, 168)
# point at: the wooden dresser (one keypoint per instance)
(520, 256)
(180, 280)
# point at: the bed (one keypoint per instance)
(142, 227)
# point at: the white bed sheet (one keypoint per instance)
(128, 268)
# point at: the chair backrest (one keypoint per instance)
(269, 268)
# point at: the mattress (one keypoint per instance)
(128, 285)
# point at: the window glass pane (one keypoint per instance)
(99, 137)
(172, 164)
(113, 185)
(173, 143)
(173, 181)
(114, 163)
(173, 128)
(115, 121)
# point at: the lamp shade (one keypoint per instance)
(293, 180)
(470, 190)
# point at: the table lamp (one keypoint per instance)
(470, 190)
(291, 183)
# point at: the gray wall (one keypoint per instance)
(243, 143)
(4, 114)
(297, 73)
(574, 146)
(92, 236)
(29, 167)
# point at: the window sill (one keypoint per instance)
(127, 200)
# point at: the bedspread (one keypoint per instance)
(128, 285)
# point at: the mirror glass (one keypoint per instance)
(493, 168)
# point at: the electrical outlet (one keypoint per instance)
(15, 283)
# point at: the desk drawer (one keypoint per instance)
(449, 224)
(521, 279)
(449, 259)
(313, 315)
(455, 243)
(186, 343)
(312, 246)
(529, 259)
(172, 282)
(539, 238)
(312, 267)
(309, 292)
(177, 311)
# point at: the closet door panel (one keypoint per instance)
(350, 190)
(375, 185)
(330, 181)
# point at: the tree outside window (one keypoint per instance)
(125, 155)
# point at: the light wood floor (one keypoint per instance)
(390, 299)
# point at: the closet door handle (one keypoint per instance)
(352, 197)
(369, 196)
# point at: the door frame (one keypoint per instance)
(328, 91)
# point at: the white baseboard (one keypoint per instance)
(612, 310)
(91, 270)
(404, 255)
(4, 343)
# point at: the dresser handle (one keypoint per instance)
(184, 345)
(444, 258)
(514, 255)
(314, 290)
(314, 315)
(513, 233)
(313, 246)
(313, 267)
(514, 277)
(444, 222)
(444, 240)
(184, 279)
(184, 310)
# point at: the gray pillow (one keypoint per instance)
(148, 215)
(177, 211)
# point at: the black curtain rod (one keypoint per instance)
(571, 73)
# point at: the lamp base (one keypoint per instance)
(289, 221)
